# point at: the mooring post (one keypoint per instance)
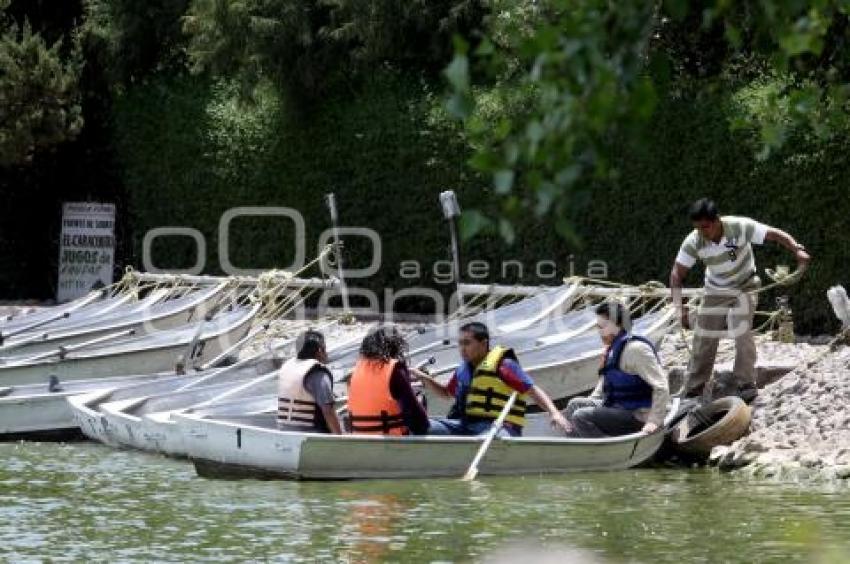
(330, 198)
(451, 211)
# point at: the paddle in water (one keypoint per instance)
(497, 424)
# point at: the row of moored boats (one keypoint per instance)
(189, 369)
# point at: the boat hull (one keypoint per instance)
(260, 451)
(143, 321)
(161, 358)
(34, 410)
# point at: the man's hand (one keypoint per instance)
(803, 258)
(558, 420)
(649, 428)
(430, 382)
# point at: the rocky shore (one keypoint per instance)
(801, 419)
(800, 426)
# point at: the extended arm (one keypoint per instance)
(677, 278)
(787, 241)
(431, 383)
(542, 399)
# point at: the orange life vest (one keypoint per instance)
(373, 409)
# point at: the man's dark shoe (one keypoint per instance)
(748, 393)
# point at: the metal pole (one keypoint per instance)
(247, 281)
(451, 211)
(343, 290)
(595, 292)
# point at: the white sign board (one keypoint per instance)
(86, 248)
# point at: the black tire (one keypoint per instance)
(719, 423)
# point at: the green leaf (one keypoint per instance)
(485, 48)
(506, 230)
(457, 73)
(485, 162)
(460, 105)
(546, 194)
(566, 229)
(568, 175)
(503, 181)
(473, 222)
(461, 46)
(733, 35)
(534, 131)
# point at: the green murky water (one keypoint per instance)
(88, 502)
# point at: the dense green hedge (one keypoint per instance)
(190, 151)
(187, 151)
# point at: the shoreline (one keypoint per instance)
(800, 427)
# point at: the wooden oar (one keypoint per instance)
(497, 424)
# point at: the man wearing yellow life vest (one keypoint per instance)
(482, 385)
(380, 398)
(305, 389)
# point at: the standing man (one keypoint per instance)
(724, 245)
(632, 392)
(482, 385)
(305, 399)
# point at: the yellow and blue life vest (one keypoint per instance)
(488, 393)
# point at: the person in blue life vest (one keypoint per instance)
(481, 386)
(632, 392)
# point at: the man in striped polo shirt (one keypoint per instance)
(724, 245)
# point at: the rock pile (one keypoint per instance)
(800, 426)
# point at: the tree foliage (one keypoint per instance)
(304, 46)
(39, 98)
(133, 39)
(594, 71)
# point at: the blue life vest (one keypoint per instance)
(624, 390)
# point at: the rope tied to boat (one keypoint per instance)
(273, 284)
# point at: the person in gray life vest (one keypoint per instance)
(632, 392)
(305, 389)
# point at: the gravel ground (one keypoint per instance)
(800, 421)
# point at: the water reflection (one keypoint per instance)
(85, 501)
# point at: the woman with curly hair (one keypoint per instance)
(380, 398)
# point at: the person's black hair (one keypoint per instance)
(477, 330)
(616, 312)
(309, 344)
(384, 343)
(703, 209)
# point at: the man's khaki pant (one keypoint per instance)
(727, 315)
